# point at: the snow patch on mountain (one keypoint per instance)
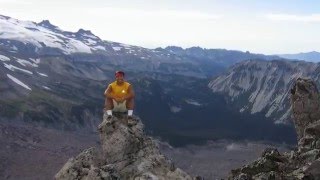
(14, 48)
(192, 102)
(90, 42)
(4, 58)
(17, 81)
(37, 61)
(99, 48)
(42, 74)
(90, 36)
(13, 68)
(116, 48)
(24, 62)
(175, 109)
(45, 87)
(243, 109)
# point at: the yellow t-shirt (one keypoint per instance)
(119, 91)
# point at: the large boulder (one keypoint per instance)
(127, 153)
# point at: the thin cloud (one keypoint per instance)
(292, 17)
(160, 14)
(14, 2)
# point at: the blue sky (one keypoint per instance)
(270, 27)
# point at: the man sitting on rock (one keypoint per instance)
(119, 96)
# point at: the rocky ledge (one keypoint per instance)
(126, 153)
(302, 163)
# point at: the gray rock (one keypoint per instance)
(127, 153)
(305, 104)
(310, 156)
(314, 170)
(84, 166)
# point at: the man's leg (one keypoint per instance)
(109, 106)
(130, 106)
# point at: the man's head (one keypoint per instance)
(119, 76)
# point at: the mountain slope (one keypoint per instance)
(222, 57)
(263, 86)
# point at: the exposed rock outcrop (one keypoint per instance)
(127, 153)
(303, 163)
(305, 104)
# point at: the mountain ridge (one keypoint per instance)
(312, 56)
(263, 86)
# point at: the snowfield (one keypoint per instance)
(32, 33)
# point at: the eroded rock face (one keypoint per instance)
(126, 154)
(303, 163)
(305, 104)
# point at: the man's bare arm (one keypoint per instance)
(107, 92)
(130, 93)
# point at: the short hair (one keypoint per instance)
(119, 72)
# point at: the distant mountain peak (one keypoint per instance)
(82, 31)
(195, 48)
(4, 17)
(87, 33)
(47, 24)
(174, 48)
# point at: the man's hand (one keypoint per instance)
(119, 100)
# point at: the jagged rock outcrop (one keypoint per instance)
(305, 104)
(304, 162)
(127, 153)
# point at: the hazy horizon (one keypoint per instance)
(271, 27)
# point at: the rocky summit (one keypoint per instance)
(126, 153)
(302, 163)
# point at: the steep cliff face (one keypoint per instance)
(303, 163)
(263, 86)
(126, 154)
